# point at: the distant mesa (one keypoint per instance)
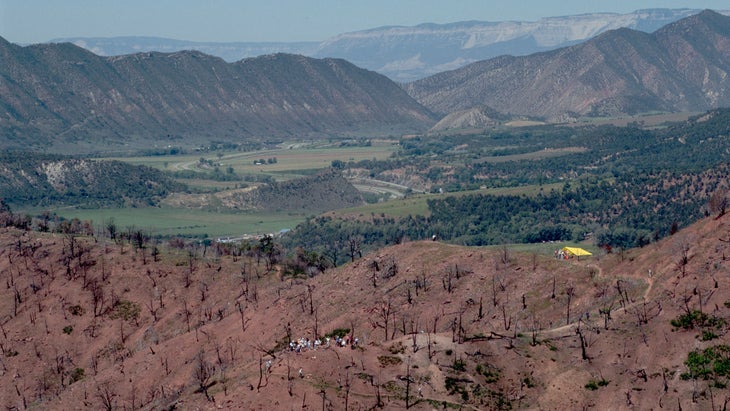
(408, 53)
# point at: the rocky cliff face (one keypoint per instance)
(681, 67)
(59, 95)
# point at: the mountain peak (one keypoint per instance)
(706, 17)
(709, 13)
(620, 72)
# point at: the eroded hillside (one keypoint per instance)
(92, 323)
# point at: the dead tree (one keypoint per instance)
(681, 248)
(605, 312)
(462, 331)
(232, 349)
(152, 309)
(315, 329)
(242, 311)
(192, 267)
(97, 297)
(569, 293)
(218, 347)
(352, 331)
(310, 298)
(378, 398)
(480, 314)
(347, 389)
(289, 379)
(186, 313)
(355, 247)
(582, 340)
(408, 382)
(504, 255)
(374, 273)
(203, 373)
(495, 300)
(535, 327)
(552, 295)
(506, 320)
(383, 313)
(106, 394)
(447, 281)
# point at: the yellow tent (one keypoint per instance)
(575, 252)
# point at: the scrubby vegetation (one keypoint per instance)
(623, 187)
(711, 363)
(30, 179)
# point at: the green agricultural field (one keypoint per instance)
(396, 208)
(291, 159)
(296, 159)
(184, 222)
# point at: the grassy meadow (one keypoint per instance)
(187, 222)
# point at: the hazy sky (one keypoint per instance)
(34, 21)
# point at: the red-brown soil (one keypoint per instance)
(523, 351)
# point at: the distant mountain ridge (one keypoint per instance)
(228, 51)
(683, 66)
(63, 97)
(409, 53)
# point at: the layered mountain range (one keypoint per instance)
(683, 66)
(63, 98)
(61, 94)
(408, 53)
